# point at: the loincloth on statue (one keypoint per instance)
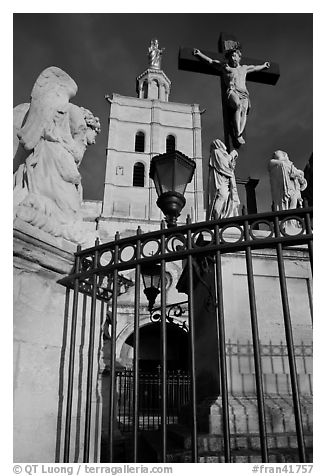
(242, 95)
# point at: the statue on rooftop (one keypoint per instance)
(223, 195)
(287, 182)
(50, 139)
(155, 54)
(237, 96)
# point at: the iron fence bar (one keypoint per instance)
(221, 339)
(90, 363)
(309, 231)
(157, 392)
(257, 354)
(148, 399)
(179, 391)
(113, 351)
(290, 347)
(229, 353)
(309, 289)
(71, 367)
(65, 336)
(263, 243)
(303, 350)
(125, 390)
(191, 317)
(271, 356)
(119, 385)
(130, 385)
(136, 354)
(163, 349)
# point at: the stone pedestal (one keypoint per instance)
(41, 350)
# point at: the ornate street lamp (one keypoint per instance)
(151, 274)
(171, 173)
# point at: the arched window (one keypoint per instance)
(140, 142)
(155, 89)
(145, 89)
(170, 143)
(138, 175)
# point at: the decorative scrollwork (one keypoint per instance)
(173, 244)
(176, 310)
(204, 237)
(176, 243)
(86, 263)
(155, 317)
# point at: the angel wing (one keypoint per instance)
(19, 118)
(51, 94)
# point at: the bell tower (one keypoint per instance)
(140, 128)
(153, 84)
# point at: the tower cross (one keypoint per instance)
(189, 62)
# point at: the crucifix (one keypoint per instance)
(226, 64)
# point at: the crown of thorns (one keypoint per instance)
(231, 45)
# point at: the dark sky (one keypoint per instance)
(104, 53)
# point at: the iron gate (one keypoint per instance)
(96, 274)
(150, 395)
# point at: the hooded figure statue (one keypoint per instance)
(223, 195)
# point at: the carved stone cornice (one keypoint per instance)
(36, 250)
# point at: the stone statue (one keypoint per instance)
(51, 138)
(155, 54)
(223, 195)
(237, 96)
(287, 182)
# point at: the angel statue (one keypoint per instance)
(222, 189)
(287, 182)
(155, 54)
(50, 138)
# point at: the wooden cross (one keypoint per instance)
(189, 62)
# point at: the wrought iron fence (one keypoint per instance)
(97, 271)
(150, 396)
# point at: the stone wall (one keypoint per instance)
(42, 317)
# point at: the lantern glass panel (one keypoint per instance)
(182, 175)
(156, 281)
(164, 171)
(151, 276)
(157, 184)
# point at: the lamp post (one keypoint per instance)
(171, 172)
(151, 275)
